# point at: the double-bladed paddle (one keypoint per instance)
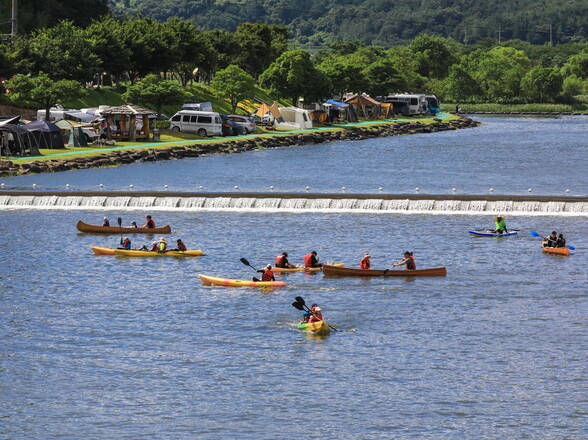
(246, 263)
(536, 234)
(300, 304)
(119, 220)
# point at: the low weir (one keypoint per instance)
(298, 202)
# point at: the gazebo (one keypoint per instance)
(127, 122)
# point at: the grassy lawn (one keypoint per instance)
(518, 108)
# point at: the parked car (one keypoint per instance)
(244, 121)
(203, 123)
(231, 128)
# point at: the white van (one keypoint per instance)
(203, 123)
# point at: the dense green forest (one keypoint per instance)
(383, 22)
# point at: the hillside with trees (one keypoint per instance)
(382, 22)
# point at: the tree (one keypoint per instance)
(260, 45)
(293, 75)
(108, 42)
(572, 86)
(577, 65)
(432, 54)
(382, 78)
(41, 91)
(343, 75)
(235, 84)
(542, 84)
(460, 84)
(155, 92)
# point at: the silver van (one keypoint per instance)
(203, 123)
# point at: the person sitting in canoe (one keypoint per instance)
(500, 226)
(316, 314)
(266, 274)
(550, 240)
(105, 222)
(162, 245)
(133, 224)
(407, 260)
(561, 241)
(180, 246)
(365, 262)
(311, 260)
(282, 261)
(149, 223)
(125, 244)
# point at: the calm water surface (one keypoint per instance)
(510, 155)
(105, 347)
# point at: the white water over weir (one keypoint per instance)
(298, 203)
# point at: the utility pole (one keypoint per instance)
(499, 33)
(465, 37)
(14, 19)
(550, 35)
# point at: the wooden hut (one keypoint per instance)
(127, 122)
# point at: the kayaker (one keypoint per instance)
(311, 260)
(154, 246)
(180, 246)
(266, 274)
(550, 240)
(500, 226)
(407, 260)
(365, 262)
(561, 241)
(282, 261)
(161, 245)
(125, 244)
(149, 223)
(316, 313)
(105, 222)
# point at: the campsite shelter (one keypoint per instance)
(292, 118)
(16, 141)
(336, 108)
(127, 122)
(46, 134)
(77, 134)
(368, 107)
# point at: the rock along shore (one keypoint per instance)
(116, 158)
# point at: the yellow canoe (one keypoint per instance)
(227, 282)
(317, 327)
(301, 268)
(136, 253)
(102, 251)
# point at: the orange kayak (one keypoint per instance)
(557, 251)
(227, 282)
(102, 250)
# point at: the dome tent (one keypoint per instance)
(46, 134)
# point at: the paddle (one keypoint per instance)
(300, 304)
(246, 263)
(536, 234)
(119, 220)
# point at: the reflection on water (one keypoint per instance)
(138, 347)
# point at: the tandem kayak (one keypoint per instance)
(85, 227)
(492, 234)
(336, 271)
(557, 251)
(137, 253)
(318, 327)
(227, 282)
(300, 269)
(102, 251)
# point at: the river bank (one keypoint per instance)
(518, 109)
(154, 152)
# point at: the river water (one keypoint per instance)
(105, 347)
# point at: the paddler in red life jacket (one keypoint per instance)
(316, 313)
(408, 260)
(365, 262)
(125, 244)
(311, 260)
(267, 274)
(149, 223)
(282, 261)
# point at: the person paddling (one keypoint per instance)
(282, 261)
(162, 245)
(561, 241)
(180, 246)
(500, 226)
(105, 222)
(149, 223)
(365, 262)
(407, 260)
(133, 224)
(125, 244)
(550, 240)
(266, 274)
(316, 314)
(311, 260)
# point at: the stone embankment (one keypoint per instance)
(116, 158)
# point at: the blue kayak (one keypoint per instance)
(492, 234)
